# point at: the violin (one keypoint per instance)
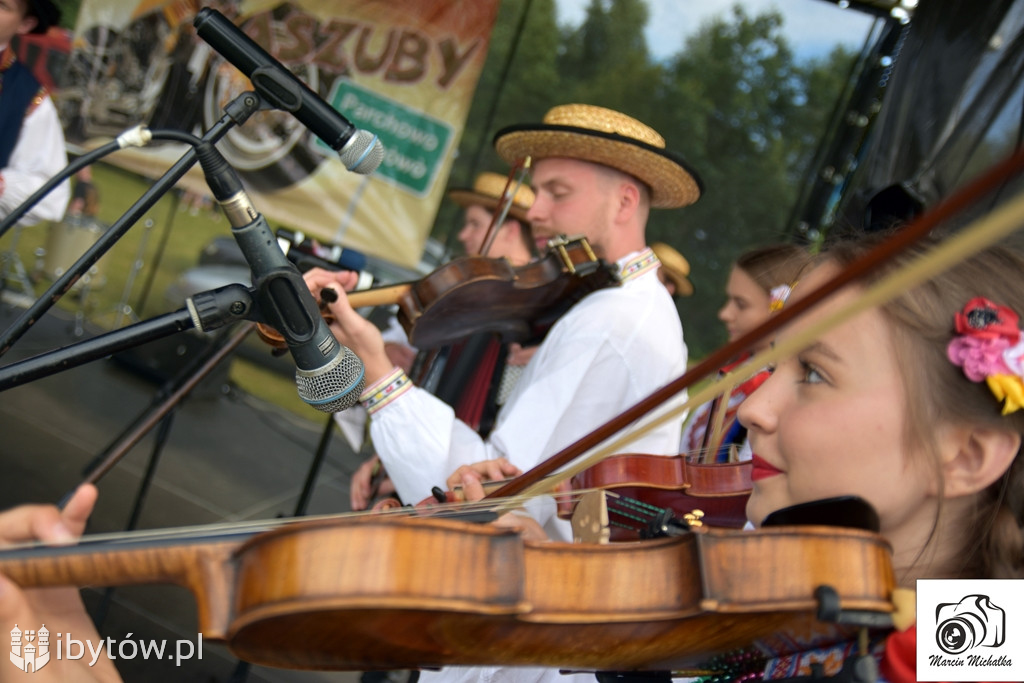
(479, 294)
(377, 591)
(678, 483)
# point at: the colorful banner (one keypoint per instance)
(403, 70)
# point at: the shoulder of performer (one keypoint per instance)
(41, 95)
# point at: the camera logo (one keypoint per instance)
(973, 622)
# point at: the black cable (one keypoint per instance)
(238, 110)
(85, 160)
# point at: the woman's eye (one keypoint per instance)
(810, 374)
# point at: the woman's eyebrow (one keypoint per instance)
(824, 349)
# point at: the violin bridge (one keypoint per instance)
(590, 519)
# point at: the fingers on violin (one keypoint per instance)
(338, 280)
(472, 488)
(46, 522)
(34, 523)
(505, 468)
(527, 526)
(360, 487)
(456, 478)
(359, 493)
(77, 510)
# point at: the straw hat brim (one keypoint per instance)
(683, 285)
(671, 180)
(465, 197)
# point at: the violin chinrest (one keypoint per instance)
(851, 512)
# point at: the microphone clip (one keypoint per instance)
(278, 90)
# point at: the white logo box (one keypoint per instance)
(970, 630)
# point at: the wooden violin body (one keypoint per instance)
(478, 294)
(675, 483)
(385, 592)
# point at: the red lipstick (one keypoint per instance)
(762, 469)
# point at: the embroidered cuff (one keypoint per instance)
(385, 390)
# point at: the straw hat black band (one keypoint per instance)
(672, 181)
(487, 192)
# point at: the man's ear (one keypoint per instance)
(629, 198)
(976, 457)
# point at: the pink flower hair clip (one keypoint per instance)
(989, 346)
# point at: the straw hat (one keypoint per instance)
(486, 192)
(603, 136)
(46, 13)
(676, 267)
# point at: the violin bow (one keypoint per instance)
(998, 223)
(521, 167)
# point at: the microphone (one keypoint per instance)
(328, 375)
(360, 150)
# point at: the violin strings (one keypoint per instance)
(225, 529)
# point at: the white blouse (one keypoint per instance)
(38, 156)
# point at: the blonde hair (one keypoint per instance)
(921, 320)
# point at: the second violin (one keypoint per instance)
(479, 294)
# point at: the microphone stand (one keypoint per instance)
(236, 113)
(160, 414)
(205, 311)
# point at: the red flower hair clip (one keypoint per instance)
(989, 346)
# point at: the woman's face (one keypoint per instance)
(747, 305)
(831, 422)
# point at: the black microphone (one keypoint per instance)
(360, 150)
(329, 376)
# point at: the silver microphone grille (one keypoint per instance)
(362, 153)
(334, 387)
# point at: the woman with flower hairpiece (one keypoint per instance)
(758, 284)
(913, 406)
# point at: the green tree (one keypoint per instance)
(736, 104)
(734, 101)
(516, 84)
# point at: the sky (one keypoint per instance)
(813, 27)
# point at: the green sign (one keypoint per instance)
(414, 143)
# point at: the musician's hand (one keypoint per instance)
(519, 355)
(350, 328)
(473, 490)
(368, 482)
(469, 477)
(527, 526)
(401, 355)
(60, 608)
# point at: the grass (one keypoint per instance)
(134, 275)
